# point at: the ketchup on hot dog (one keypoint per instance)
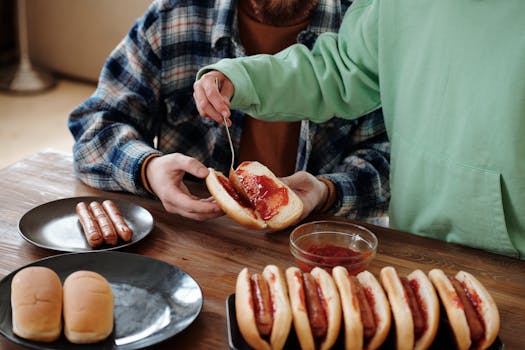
(266, 196)
(255, 197)
(231, 191)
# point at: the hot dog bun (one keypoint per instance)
(88, 307)
(424, 295)
(484, 306)
(229, 201)
(329, 296)
(245, 311)
(353, 323)
(271, 202)
(36, 303)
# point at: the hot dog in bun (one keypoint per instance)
(414, 306)
(316, 307)
(472, 314)
(366, 312)
(270, 202)
(262, 308)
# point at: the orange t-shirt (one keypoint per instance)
(273, 144)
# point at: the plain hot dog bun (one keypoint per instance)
(36, 303)
(331, 304)
(484, 306)
(271, 202)
(424, 294)
(88, 307)
(245, 312)
(352, 309)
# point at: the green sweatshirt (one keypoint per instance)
(450, 76)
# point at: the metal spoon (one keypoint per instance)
(232, 176)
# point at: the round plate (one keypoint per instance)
(55, 225)
(153, 300)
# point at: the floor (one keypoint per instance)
(37, 122)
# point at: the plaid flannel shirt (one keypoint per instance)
(144, 104)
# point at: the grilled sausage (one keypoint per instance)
(367, 315)
(474, 323)
(316, 314)
(262, 304)
(89, 225)
(417, 315)
(104, 222)
(122, 228)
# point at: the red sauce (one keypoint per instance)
(300, 292)
(231, 191)
(332, 251)
(324, 254)
(266, 196)
(473, 297)
(475, 300)
(371, 299)
(271, 277)
(457, 301)
(372, 302)
(424, 312)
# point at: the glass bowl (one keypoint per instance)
(327, 244)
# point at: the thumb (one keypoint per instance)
(293, 180)
(288, 180)
(227, 90)
(198, 170)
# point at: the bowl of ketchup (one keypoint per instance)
(327, 244)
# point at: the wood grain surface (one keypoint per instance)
(213, 252)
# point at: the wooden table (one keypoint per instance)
(213, 252)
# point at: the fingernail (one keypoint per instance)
(202, 172)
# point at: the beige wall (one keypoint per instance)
(74, 37)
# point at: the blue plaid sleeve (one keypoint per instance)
(357, 160)
(113, 129)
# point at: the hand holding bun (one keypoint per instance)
(36, 302)
(271, 202)
(88, 307)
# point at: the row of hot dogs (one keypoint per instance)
(103, 223)
(320, 305)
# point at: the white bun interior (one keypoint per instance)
(380, 307)
(456, 315)
(428, 297)
(288, 213)
(486, 308)
(242, 215)
(403, 320)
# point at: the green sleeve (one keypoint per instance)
(338, 77)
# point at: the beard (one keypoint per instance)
(280, 12)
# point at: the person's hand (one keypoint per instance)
(212, 94)
(312, 192)
(165, 176)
